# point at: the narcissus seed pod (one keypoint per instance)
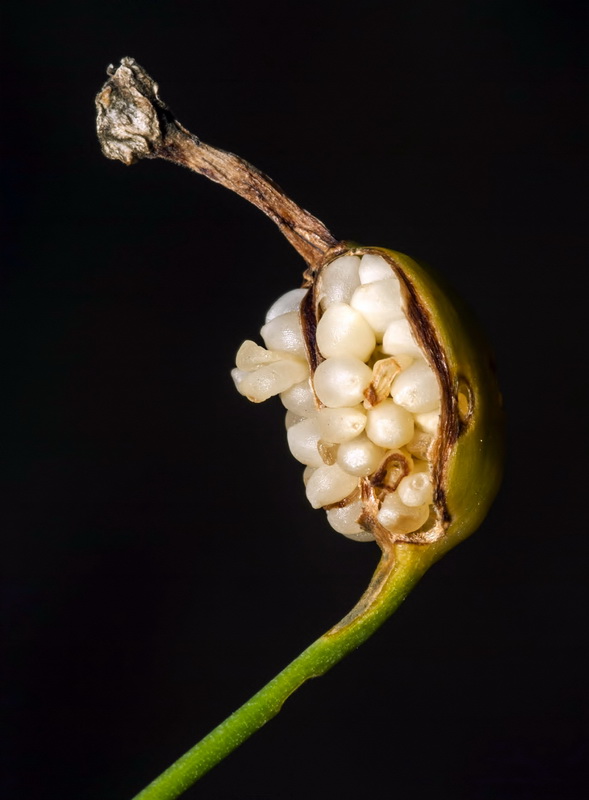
(402, 413)
(391, 395)
(391, 400)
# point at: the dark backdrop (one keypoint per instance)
(160, 559)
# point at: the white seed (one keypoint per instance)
(300, 399)
(416, 388)
(416, 489)
(420, 444)
(285, 333)
(290, 301)
(341, 424)
(340, 382)
(338, 280)
(360, 456)
(428, 422)
(379, 303)
(389, 425)
(399, 518)
(269, 380)
(398, 339)
(250, 356)
(302, 442)
(344, 520)
(307, 472)
(343, 331)
(329, 485)
(375, 268)
(290, 419)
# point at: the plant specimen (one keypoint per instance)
(391, 396)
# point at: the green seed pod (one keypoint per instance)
(392, 351)
(466, 452)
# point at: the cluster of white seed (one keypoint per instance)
(373, 395)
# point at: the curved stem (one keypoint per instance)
(396, 574)
(134, 123)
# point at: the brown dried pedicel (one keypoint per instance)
(392, 399)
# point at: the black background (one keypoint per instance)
(160, 559)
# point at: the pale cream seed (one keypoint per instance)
(375, 268)
(416, 388)
(338, 281)
(400, 518)
(416, 489)
(420, 444)
(379, 303)
(343, 331)
(302, 441)
(285, 333)
(300, 399)
(360, 456)
(290, 301)
(389, 425)
(269, 380)
(340, 381)
(341, 424)
(428, 422)
(250, 356)
(398, 339)
(344, 520)
(329, 484)
(290, 419)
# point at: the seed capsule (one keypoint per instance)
(388, 381)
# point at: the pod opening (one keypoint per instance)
(363, 400)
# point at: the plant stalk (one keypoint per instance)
(397, 573)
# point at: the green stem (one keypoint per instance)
(394, 578)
